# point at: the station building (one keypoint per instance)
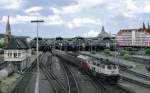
(17, 50)
(101, 41)
(18, 53)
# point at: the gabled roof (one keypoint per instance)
(2, 35)
(24, 41)
(16, 44)
(130, 30)
(22, 37)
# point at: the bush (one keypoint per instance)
(123, 52)
(147, 51)
(114, 54)
(126, 56)
(1, 46)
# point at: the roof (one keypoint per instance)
(22, 37)
(17, 44)
(2, 35)
(103, 33)
(24, 41)
(130, 30)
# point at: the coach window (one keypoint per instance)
(114, 66)
(109, 67)
(107, 60)
(93, 68)
(103, 66)
(101, 59)
(94, 63)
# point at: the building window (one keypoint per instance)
(9, 54)
(15, 55)
(19, 54)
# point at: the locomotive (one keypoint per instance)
(99, 69)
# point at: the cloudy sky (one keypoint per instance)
(70, 18)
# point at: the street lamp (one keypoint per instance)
(116, 48)
(37, 46)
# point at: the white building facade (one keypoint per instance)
(18, 53)
(134, 37)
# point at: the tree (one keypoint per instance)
(144, 27)
(147, 51)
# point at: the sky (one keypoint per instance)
(70, 18)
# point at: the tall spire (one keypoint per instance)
(8, 29)
(8, 35)
(148, 26)
(144, 27)
(103, 29)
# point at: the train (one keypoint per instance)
(148, 67)
(100, 69)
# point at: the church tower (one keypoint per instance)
(103, 29)
(7, 32)
(103, 33)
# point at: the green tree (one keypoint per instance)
(147, 51)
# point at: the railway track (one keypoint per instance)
(72, 82)
(122, 89)
(96, 86)
(57, 85)
(135, 82)
(137, 75)
(105, 88)
(126, 69)
(145, 77)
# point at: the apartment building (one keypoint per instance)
(133, 37)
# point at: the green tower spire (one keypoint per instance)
(8, 31)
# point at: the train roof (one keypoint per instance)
(101, 60)
(83, 56)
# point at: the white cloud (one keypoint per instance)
(130, 5)
(128, 15)
(66, 9)
(90, 3)
(79, 22)
(10, 4)
(70, 9)
(55, 10)
(19, 19)
(146, 8)
(80, 6)
(91, 33)
(53, 20)
(33, 10)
